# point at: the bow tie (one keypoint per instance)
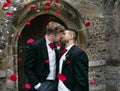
(58, 44)
(63, 51)
(52, 45)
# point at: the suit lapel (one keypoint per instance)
(45, 51)
(68, 56)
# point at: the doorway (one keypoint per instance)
(35, 31)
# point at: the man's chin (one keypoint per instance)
(62, 42)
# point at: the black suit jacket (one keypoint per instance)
(35, 67)
(75, 68)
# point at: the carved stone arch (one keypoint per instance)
(69, 15)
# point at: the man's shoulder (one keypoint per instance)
(39, 42)
(79, 50)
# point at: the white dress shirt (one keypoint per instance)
(52, 63)
(61, 86)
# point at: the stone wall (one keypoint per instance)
(103, 51)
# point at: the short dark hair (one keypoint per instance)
(54, 27)
(75, 33)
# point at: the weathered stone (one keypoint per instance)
(103, 51)
(2, 74)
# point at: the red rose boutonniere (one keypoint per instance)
(67, 61)
(61, 77)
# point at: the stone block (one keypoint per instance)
(2, 73)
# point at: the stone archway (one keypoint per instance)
(69, 16)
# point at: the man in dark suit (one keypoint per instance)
(73, 65)
(41, 57)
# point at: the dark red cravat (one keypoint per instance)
(52, 45)
(63, 51)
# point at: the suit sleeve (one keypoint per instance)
(29, 64)
(81, 71)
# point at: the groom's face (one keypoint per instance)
(58, 37)
(66, 37)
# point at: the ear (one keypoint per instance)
(72, 36)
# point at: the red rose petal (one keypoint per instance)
(87, 23)
(61, 77)
(51, 1)
(19, 59)
(19, 36)
(45, 11)
(57, 1)
(58, 12)
(68, 62)
(37, 4)
(27, 86)
(9, 13)
(31, 18)
(32, 7)
(28, 23)
(92, 82)
(46, 61)
(29, 41)
(47, 5)
(25, 5)
(8, 1)
(13, 77)
(6, 4)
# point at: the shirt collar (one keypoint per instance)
(47, 41)
(68, 47)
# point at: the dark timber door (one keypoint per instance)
(35, 30)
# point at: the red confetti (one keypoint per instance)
(58, 12)
(19, 59)
(19, 36)
(92, 82)
(9, 13)
(6, 4)
(31, 18)
(29, 41)
(25, 5)
(13, 77)
(27, 86)
(45, 11)
(47, 5)
(28, 23)
(51, 1)
(8, 1)
(87, 23)
(37, 4)
(57, 1)
(32, 7)
(46, 61)
(61, 77)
